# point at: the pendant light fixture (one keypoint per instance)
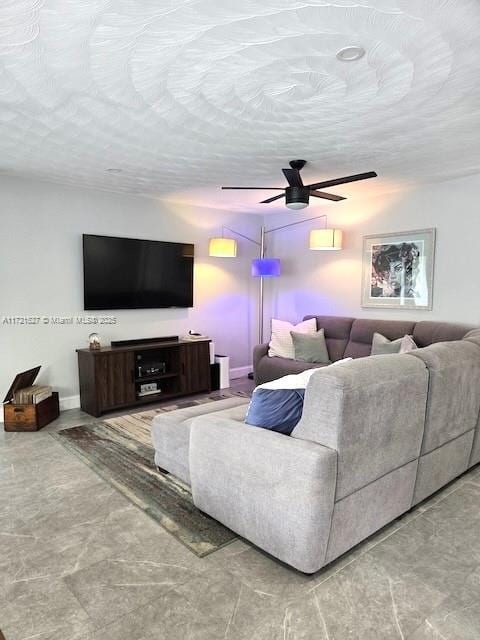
(222, 248)
(326, 239)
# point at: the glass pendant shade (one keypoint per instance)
(266, 268)
(326, 239)
(222, 248)
(297, 205)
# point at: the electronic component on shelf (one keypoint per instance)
(148, 389)
(148, 369)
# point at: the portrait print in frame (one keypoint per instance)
(398, 270)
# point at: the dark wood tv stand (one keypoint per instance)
(109, 377)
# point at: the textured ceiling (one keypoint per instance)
(186, 95)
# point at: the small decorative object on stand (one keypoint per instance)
(94, 341)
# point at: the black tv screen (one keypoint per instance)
(124, 273)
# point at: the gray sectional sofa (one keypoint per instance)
(352, 338)
(378, 435)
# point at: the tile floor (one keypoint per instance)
(79, 561)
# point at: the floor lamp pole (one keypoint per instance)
(260, 302)
(261, 244)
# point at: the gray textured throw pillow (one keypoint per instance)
(310, 347)
(382, 345)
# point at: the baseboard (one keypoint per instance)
(240, 372)
(73, 402)
(70, 402)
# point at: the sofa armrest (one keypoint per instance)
(276, 491)
(259, 351)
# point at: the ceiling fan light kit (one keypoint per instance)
(297, 197)
(297, 194)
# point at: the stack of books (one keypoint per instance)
(32, 395)
(193, 337)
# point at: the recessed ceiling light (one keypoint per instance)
(350, 53)
(113, 170)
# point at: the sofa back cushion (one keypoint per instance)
(371, 411)
(352, 337)
(427, 332)
(337, 333)
(454, 390)
(361, 335)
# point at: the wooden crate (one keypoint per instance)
(30, 417)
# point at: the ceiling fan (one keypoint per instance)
(297, 194)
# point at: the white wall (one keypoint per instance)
(324, 282)
(41, 275)
(41, 267)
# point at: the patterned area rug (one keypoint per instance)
(120, 450)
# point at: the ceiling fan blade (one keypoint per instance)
(332, 183)
(293, 177)
(262, 188)
(272, 199)
(326, 196)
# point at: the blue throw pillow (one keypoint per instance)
(279, 410)
(278, 405)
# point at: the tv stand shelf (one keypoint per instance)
(109, 379)
(158, 376)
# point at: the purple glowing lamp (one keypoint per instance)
(266, 268)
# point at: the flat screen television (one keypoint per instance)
(125, 273)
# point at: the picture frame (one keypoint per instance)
(398, 270)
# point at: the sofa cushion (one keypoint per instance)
(278, 405)
(337, 333)
(382, 345)
(310, 347)
(408, 344)
(281, 343)
(361, 335)
(171, 432)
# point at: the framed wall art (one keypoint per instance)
(398, 270)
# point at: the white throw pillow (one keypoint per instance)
(281, 343)
(408, 344)
(290, 381)
(382, 345)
